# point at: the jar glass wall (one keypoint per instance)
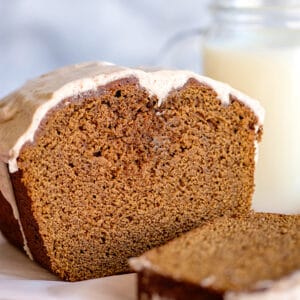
(255, 47)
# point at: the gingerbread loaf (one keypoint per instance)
(100, 163)
(233, 258)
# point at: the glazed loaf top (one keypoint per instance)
(22, 111)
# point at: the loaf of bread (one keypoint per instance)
(100, 163)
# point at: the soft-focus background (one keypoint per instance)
(39, 35)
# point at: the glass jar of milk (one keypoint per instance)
(255, 47)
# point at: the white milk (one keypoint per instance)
(272, 75)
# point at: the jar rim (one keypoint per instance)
(258, 13)
(256, 4)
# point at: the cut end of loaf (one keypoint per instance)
(111, 174)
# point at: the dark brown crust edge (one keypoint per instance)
(30, 226)
(9, 226)
(151, 283)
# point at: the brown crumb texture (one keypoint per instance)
(230, 254)
(111, 174)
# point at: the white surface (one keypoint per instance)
(22, 279)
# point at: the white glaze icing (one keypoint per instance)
(286, 288)
(206, 282)
(22, 111)
(8, 193)
(158, 297)
(140, 263)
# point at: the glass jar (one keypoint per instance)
(255, 47)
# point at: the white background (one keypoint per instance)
(39, 35)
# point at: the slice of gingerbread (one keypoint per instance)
(255, 257)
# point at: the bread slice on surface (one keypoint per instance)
(255, 257)
(100, 163)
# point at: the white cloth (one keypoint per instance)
(22, 279)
